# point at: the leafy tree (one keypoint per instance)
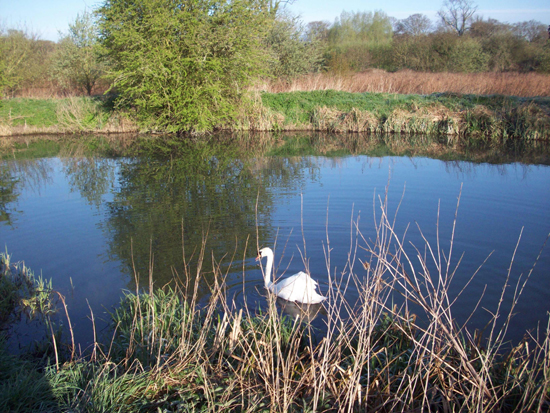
(274, 6)
(317, 30)
(457, 15)
(77, 63)
(361, 27)
(359, 40)
(24, 59)
(293, 51)
(15, 51)
(184, 65)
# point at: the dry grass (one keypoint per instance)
(409, 82)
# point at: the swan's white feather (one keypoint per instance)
(299, 287)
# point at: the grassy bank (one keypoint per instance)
(454, 116)
(451, 115)
(165, 354)
(25, 116)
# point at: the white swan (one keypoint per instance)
(298, 287)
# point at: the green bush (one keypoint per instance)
(184, 66)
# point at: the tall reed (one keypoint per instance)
(423, 83)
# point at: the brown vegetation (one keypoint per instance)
(410, 82)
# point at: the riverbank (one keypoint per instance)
(451, 115)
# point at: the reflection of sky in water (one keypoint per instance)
(61, 234)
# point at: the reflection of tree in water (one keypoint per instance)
(17, 175)
(200, 189)
(92, 177)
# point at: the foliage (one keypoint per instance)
(361, 27)
(77, 62)
(24, 59)
(357, 39)
(183, 65)
(292, 52)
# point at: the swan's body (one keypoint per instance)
(299, 287)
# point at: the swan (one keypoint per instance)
(299, 287)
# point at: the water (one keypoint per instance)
(97, 225)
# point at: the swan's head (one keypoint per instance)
(264, 252)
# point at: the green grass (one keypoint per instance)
(438, 114)
(70, 115)
(30, 112)
(298, 107)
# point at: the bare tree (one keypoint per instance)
(457, 15)
(532, 31)
(414, 25)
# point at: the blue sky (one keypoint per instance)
(47, 17)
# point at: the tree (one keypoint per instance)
(457, 15)
(184, 65)
(414, 25)
(77, 63)
(358, 41)
(16, 58)
(274, 6)
(484, 29)
(317, 30)
(533, 31)
(293, 51)
(361, 27)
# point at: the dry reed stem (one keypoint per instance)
(423, 83)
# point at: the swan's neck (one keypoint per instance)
(268, 268)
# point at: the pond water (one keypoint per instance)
(97, 225)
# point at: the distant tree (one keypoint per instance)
(484, 29)
(24, 59)
(293, 50)
(184, 65)
(533, 31)
(414, 25)
(456, 15)
(77, 63)
(358, 41)
(317, 30)
(15, 53)
(361, 27)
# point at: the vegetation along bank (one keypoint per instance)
(439, 114)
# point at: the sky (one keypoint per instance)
(46, 18)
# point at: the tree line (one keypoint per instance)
(186, 65)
